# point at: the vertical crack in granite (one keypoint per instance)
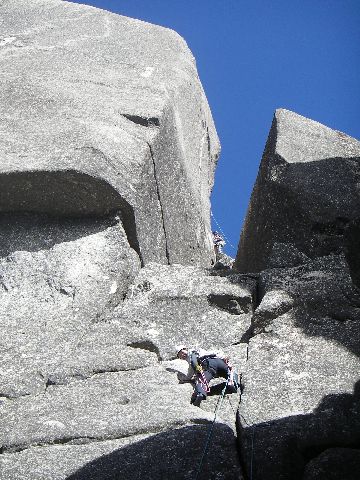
(161, 207)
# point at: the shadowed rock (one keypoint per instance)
(299, 413)
(299, 201)
(173, 454)
(317, 445)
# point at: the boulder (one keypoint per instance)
(299, 208)
(101, 114)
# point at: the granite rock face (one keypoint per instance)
(108, 156)
(101, 114)
(103, 397)
(306, 200)
(301, 379)
(299, 416)
(188, 305)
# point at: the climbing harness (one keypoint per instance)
(222, 233)
(203, 381)
(217, 408)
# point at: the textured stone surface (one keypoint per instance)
(108, 152)
(333, 464)
(171, 305)
(108, 155)
(90, 384)
(112, 424)
(102, 113)
(299, 206)
(58, 277)
(301, 379)
(299, 413)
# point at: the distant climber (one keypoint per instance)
(203, 367)
(219, 242)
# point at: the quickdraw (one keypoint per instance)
(203, 381)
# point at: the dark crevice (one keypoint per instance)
(352, 251)
(73, 440)
(59, 441)
(49, 383)
(7, 396)
(53, 382)
(208, 141)
(68, 196)
(146, 345)
(229, 303)
(161, 208)
(101, 371)
(248, 335)
(143, 121)
(258, 294)
(256, 298)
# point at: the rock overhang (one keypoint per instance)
(121, 100)
(65, 193)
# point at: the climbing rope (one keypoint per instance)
(222, 233)
(217, 408)
(231, 405)
(252, 444)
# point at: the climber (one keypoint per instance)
(204, 366)
(219, 242)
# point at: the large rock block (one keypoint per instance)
(98, 398)
(301, 393)
(306, 200)
(102, 114)
(299, 415)
(130, 424)
(58, 277)
(172, 305)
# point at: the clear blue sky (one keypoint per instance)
(254, 56)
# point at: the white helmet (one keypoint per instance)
(178, 348)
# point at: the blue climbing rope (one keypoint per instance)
(217, 408)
